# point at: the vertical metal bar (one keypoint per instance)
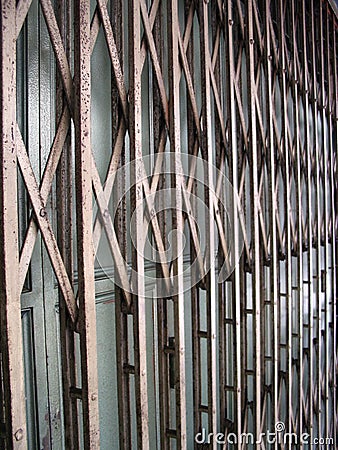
(163, 375)
(222, 353)
(323, 237)
(65, 240)
(220, 158)
(194, 292)
(317, 232)
(264, 297)
(162, 304)
(86, 292)
(10, 313)
(272, 210)
(121, 315)
(122, 375)
(210, 232)
(135, 133)
(231, 74)
(197, 357)
(299, 247)
(255, 212)
(2, 401)
(287, 212)
(332, 113)
(324, 275)
(333, 136)
(178, 223)
(309, 349)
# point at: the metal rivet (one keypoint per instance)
(270, 57)
(251, 41)
(94, 397)
(43, 212)
(231, 22)
(18, 434)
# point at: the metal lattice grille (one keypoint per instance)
(205, 135)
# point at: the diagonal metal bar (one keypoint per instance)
(110, 179)
(60, 54)
(108, 225)
(114, 56)
(194, 105)
(154, 58)
(22, 9)
(189, 82)
(46, 184)
(45, 227)
(106, 190)
(56, 148)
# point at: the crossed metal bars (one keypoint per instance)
(266, 111)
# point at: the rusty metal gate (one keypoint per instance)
(168, 220)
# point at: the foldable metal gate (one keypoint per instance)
(179, 161)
